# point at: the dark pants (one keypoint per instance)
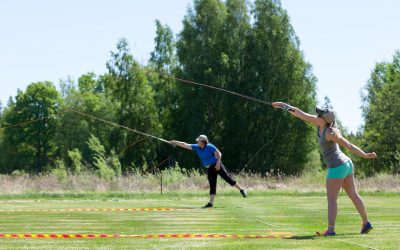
(212, 177)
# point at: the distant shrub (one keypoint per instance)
(114, 163)
(103, 170)
(17, 173)
(60, 171)
(76, 158)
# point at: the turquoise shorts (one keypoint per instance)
(342, 171)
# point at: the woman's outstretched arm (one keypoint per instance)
(333, 135)
(298, 113)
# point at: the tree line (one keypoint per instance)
(247, 48)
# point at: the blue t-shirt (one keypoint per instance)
(206, 154)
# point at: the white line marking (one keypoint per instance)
(352, 243)
(272, 225)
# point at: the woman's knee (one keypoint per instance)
(353, 195)
(332, 198)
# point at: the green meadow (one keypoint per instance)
(299, 215)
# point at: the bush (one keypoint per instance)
(60, 171)
(103, 171)
(76, 158)
(174, 175)
(114, 163)
(17, 173)
(99, 160)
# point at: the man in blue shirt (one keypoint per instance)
(210, 157)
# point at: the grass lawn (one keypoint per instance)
(261, 214)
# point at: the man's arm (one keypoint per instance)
(218, 154)
(181, 144)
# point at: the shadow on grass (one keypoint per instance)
(311, 237)
(303, 237)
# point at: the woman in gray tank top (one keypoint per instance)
(340, 167)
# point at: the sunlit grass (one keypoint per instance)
(261, 213)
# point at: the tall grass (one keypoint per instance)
(178, 179)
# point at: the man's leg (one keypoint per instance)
(228, 178)
(212, 181)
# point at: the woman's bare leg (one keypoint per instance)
(350, 188)
(333, 186)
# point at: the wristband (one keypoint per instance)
(287, 107)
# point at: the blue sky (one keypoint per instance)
(50, 40)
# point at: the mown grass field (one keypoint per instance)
(300, 215)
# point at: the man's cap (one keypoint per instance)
(202, 138)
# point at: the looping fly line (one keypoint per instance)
(210, 87)
(231, 93)
(92, 117)
(118, 125)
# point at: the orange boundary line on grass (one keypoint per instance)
(140, 236)
(96, 210)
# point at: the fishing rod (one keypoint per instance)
(169, 76)
(120, 126)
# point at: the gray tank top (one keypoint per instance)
(332, 155)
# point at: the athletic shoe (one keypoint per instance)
(327, 233)
(366, 228)
(244, 193)
(209, 205)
